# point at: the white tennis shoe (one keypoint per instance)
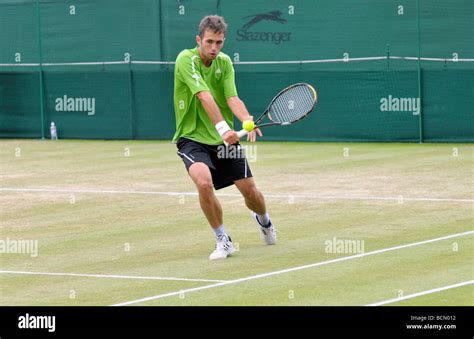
(268, 234)
(224, 248)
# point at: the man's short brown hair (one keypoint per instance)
(214, 23)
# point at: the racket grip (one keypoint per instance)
(240, 134)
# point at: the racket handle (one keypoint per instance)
(240, 134)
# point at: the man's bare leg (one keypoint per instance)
(256, 203)
(253, 197)
(211, 207)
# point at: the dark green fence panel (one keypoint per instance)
(117, 55)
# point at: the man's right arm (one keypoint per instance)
(210, 106)
(215, 115)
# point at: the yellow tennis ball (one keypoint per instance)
(248, 125)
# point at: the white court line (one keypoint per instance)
(279, 196)
(109, 276)
(414, 295)
(293, 269)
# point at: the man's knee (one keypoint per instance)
(251, 193)
(201, 176)
(204, 184)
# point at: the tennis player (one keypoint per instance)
(205, 100)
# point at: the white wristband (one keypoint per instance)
(222, 127)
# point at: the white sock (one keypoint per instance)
(219, 231)
(264, 219)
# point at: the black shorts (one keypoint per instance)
(227, 164)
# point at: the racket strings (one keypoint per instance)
(292, 104)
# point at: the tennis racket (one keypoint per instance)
(289, 106)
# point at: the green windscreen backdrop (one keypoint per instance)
(384, 70)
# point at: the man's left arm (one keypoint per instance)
(236, 105)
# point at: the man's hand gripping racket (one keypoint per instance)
(287, 107)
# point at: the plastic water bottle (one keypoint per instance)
(54, 131)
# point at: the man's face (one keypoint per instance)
(210, 44)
